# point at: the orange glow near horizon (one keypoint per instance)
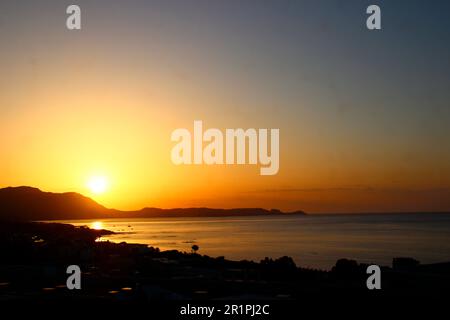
(104, 101)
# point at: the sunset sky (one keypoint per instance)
(364, 116)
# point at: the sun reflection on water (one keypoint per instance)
(97, 225)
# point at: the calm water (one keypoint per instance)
(313, 241)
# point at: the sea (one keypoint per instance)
(313, 241)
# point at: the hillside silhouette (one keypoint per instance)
(32, 204)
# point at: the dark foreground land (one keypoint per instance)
(34, 258)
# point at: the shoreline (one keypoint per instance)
(314, 242)
(36, 256)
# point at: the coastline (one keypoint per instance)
(312, 241)
(36, 256)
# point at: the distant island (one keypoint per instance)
(32, 204)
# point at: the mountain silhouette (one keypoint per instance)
(32, 204)
(26, 203)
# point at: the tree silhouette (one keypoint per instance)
(195, 248)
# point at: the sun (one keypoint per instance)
(98, 184)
